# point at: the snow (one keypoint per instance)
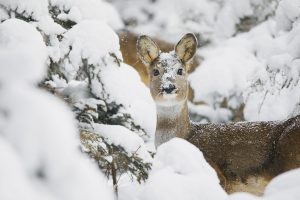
(262, 105)
(290, 179)
(171, 65)
(38, 131)
(287, 12)
(180, 172)
(12, 170)
(121, 136)
(99, 10)
(224, 71)
(49, 27)
(126, 88)
(21, 45)
(80, 10)
(211, 114)
(85, 39)
(121, 81)
(174, 20)
(30, 8)
(277, 97)
(39, 143)
(3, 14)
(231, 13)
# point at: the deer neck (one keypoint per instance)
(172, 121)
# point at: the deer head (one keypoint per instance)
(167, 71)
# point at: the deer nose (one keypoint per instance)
(169, 89)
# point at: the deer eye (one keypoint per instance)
(179, 72)
(155, 72)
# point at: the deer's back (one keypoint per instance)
(236, 147)
(243, 150)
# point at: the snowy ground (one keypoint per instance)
(253, 64)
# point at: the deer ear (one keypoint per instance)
(186, 47)
(147, 49)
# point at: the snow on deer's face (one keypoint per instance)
(167, 71)
(168, 79)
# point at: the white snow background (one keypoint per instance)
(39, 142)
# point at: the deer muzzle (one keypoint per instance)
(170, 89)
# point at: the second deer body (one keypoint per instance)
(246, 155)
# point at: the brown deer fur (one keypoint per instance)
(246, 155)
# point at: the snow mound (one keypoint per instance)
(23, 53)
(181, 172)
(13, 176)
(286, 182)
(46, 144)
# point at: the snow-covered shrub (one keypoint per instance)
(103, 90)
(274, 92)
(85, 69)
(169, 19)
(254, 75)
(64, 11)
(237, 16)
(118, 152)
(115, 87)
(38, 134)
(222, 78)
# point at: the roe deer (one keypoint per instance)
(246, 155)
